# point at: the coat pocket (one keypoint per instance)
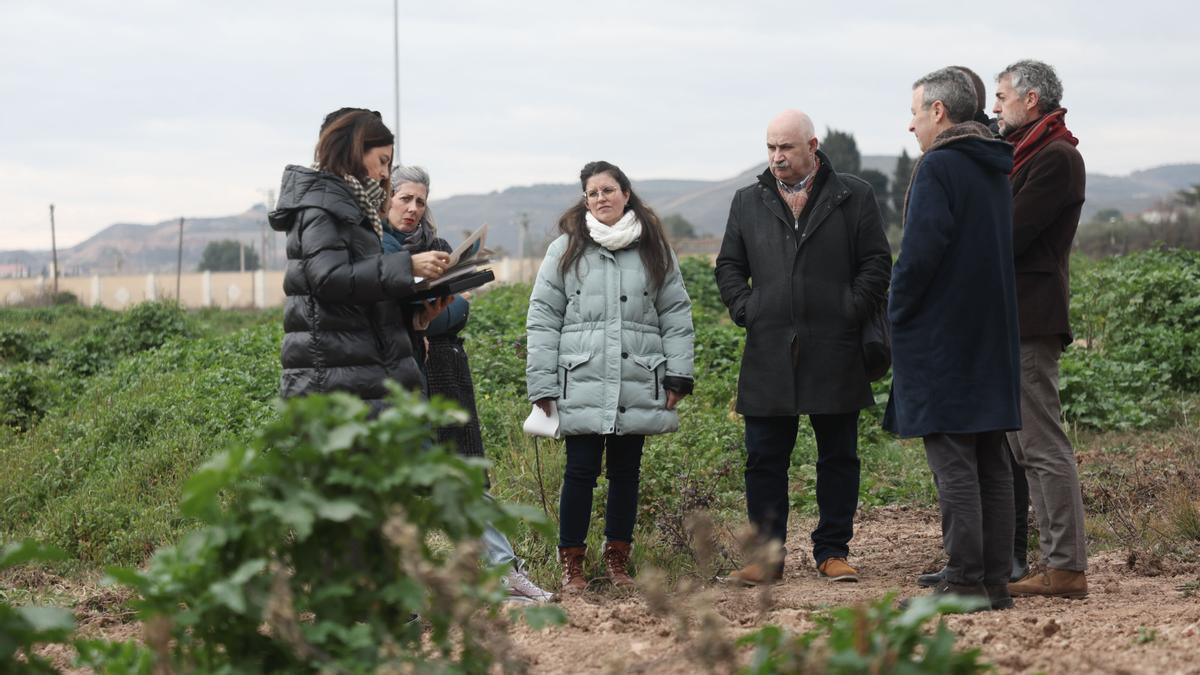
(652, 362)
(569, 362)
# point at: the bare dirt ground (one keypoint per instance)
(1130, 623)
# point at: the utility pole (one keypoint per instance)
(54, 250)
(396, 55)
(241, 256)
(522, 242)
(274, 237)
(179, 265)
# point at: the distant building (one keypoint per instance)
(13, 271)
(1160, 215)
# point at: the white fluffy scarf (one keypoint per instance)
(617, 236)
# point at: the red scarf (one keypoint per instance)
(1030, 139)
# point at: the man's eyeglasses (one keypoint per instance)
(607, 192)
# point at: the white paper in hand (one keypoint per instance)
(540, 424)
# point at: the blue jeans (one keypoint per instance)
(497, 550)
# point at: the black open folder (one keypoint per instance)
(456, 285)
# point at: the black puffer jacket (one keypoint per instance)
(344, 329)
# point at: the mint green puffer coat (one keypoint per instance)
(603, 342)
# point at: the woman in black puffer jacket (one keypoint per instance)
(343, 327)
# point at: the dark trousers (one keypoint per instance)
(1020, 509)
(975, 493)
(623, 463)
(769, 444)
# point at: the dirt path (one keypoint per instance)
(1129, 624)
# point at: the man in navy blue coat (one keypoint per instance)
(955, 336)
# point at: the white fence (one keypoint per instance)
(226, 290)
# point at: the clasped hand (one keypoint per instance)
(429, 311)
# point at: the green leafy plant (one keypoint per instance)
(874, 638)
(1137, 318)
(336, 532)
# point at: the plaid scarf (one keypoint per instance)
(797, 197)
(370, 198)
(1031, 138)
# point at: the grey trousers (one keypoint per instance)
(974, 483)
(1043, 449)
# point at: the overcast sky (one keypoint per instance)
(140, 111)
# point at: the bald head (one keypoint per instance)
(792, 122)
(791, 146)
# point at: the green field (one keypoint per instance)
(105, 415)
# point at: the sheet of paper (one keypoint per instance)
(470, 245)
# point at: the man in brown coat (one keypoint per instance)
(1048, 192)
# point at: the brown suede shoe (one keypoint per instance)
(571, 558)
(616, 560)
(755, 574)
(1052, 582)
(836, 569)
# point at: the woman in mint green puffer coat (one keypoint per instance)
(610, 344)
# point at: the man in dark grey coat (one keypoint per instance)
(953, 310)
(803, 264)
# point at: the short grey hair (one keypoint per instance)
(953, 88)
(418, 175)
(1028, 75)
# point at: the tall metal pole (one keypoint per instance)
(396, 54)
(179, 265)
(54, 249)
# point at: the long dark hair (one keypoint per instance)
(652, 247)
(346, 136)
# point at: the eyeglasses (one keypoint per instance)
(595, 194)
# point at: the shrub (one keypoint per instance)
(27, 391)
(875, 638)
(1138, 318)
(325, 529)
(20, 345)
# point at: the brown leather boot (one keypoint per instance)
(616, 559)
(755, 574)
(1052, 582)
(571, 558)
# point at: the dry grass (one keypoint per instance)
(1142, 496)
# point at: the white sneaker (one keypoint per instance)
(522, 589)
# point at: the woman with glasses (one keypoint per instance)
(343, 329)
(610, 346)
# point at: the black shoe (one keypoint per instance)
(1020, 569)
(999, 597)
(932, 579)
(967, 591)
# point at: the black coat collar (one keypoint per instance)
(830, 188)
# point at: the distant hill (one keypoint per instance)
(125, 248)
(152, 248)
